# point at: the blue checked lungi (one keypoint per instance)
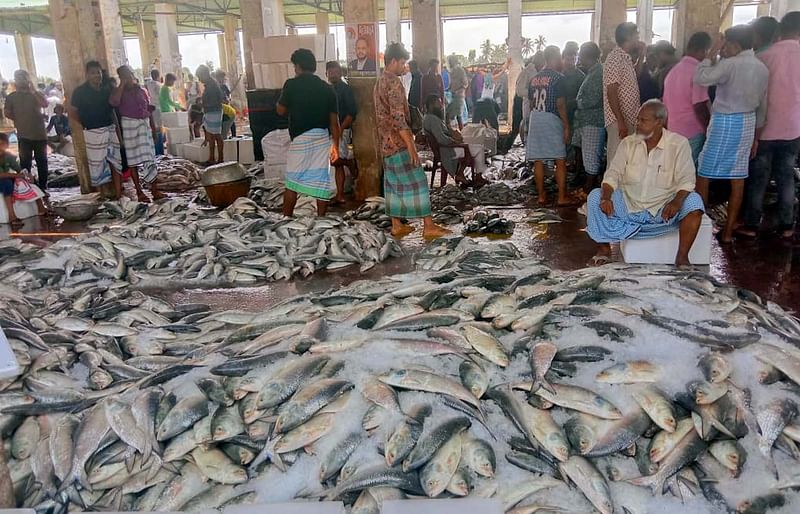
(308, 165)
(726, 154)
(632, 225)
(212, 121)
(545, 137)
(592, 140)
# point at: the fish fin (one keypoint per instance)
(655, 483)
(630, 451)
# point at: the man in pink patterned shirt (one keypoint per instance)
(621, 87)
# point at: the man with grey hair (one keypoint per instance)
(648, 189)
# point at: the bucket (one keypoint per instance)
(222, 195)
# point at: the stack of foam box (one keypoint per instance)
(176, 138)
(272, 64)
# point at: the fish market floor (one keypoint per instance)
(765, 267)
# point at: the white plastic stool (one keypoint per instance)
(662, 250)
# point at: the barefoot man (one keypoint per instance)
(648, 189)
(404, 181)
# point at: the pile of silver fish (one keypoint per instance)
(176, 242)
(61, 170)
(482, 222)
(450, 194)
(268, 193)
(543, 217)
(372, 210)
(465, 252)
(448, 215)
(648, 389)
(497, 193)
(177, 175)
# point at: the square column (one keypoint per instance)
(272, 14)
(426, 32)
(365, 137)
(85, 30)
(391, 11)
(607, 15)
(322, 23)
(24, 44)
(644, 19)
(148, 45)
(233, 60)
(694, 16)
(223, 52)
(514, 50)
(168, 50)
(252, 28)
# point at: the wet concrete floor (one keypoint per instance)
(766, 266)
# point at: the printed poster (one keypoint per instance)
(362, 49)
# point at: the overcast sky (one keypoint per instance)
(459, 37)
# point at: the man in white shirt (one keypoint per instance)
(153, 87)
(648, 189)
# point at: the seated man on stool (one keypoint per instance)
(648, 189)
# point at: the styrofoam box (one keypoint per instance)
(177, 135)
(459, 506)
(176, 150)
(9, 367)
(231, 149)
(280, 48)
(288, 508)
(246, 155)
(662, 250)
(195, 152)
(175, 119)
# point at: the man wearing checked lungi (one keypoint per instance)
(314, 129)
(739, 108)
(404, 181)
(648, 189)
(90, 105)
(548, 125)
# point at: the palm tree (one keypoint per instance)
(527, 47)
(472, 56)
(486, 50)
(540, 42)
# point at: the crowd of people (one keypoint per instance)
(121, 122)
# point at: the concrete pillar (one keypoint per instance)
(644, 19)
(272, 14)
(85, 30)
(693, 16)
(365, 138)
(726, 15)
(514, 50)
(24, 44)
(391, 11)
(148, 45)
(763, 8)
(223, 52)
(168, 50)
(426, 31)
(322, 23)
(607, 15)
(252, 28)
(779, 8)
(233, 61)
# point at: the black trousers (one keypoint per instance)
(27, 150)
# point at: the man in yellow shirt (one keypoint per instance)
(648, 189)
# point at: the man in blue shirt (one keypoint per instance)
(548, 126)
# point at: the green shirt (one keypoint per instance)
(9, 163)
(590, 99)
(165, 100)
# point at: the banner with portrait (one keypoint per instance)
(362, 49)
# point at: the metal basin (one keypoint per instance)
(223, 173)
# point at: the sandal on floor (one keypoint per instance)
(599, 260)
(718, 237)
(746, 235)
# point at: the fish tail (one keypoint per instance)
(654, 482)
